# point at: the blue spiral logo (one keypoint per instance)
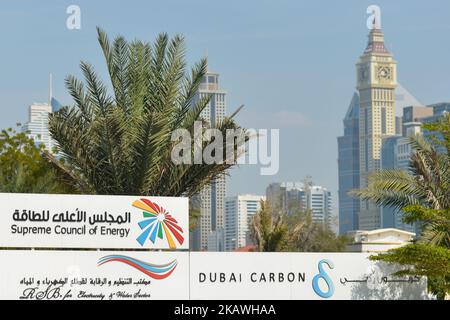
(323, 275)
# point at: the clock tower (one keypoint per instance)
(376, 83)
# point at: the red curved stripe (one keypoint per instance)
(147, 272)
(152, 205)
(169, 217)
(175, 225)
(175, 232)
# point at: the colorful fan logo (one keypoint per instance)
(158, 223)
(152, 270)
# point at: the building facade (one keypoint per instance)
(380, 240)
(37, 125)
(320, 203)
(288, 197)
(239, 213)
(348, 168)
(415, 114)
(216, 240)
(349, 153)
(376, 84)
(396, 154)
(389, 161)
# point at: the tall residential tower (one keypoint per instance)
(239, 213)
(212, 197)
(289, 197)
(377, 81)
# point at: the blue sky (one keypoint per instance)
(292, 63)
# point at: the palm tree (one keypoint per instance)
(422, 193)
(426, 184)
(120, 143)
(269, 231)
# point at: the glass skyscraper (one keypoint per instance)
(348, 166)
(396, 153)
(374, 115)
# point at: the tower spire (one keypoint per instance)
(50, 90)
(376, 42)
(207, 60)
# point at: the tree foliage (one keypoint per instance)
(274, 230)
(426, 182)
(309, 236)
(420, 259)
(22, 167)
(440, 131)
(269, 231)
(121, 142)
(423, 260)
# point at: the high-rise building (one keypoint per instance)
(212, 197)
(438, 110)
(348, 167)
(377, 81)
(288, 197)
(37, 125)
(415, 114)
(389, 161)
(216, 240)
(239, 212)
(397, 150)
(375, 114)
(319, 201)
(395, 154)
(349, 153)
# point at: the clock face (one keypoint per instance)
(363, 73)
(384, 73)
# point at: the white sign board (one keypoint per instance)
(99, 275)
(43, 275)
(298, 276)
(80, 221)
